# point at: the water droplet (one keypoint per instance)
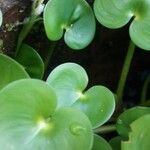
(76, 128)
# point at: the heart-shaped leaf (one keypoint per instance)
(69, 80)
(1, 18)
(139, 135)
(127, 117)
(117, 13)
(10, 71)
(98, 104)
(29, 121)
(100, 144)
(116, 143)
(31, 61)
(76, 19)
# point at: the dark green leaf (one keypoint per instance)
(73, 16)
(116, 143)
(31, 61)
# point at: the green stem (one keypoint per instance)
(105, 129)
(28, 26)
(125, 71)
(50, 52)
(144, 90)
(24, 32)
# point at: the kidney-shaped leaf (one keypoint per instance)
(117, 13)
(100, 144)
(139, 135)
(31, 61)
(97, 103)
(73, 16)
(29, 120)
(127, 117)
(10, 71)
(69, 80)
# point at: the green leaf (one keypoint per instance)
(69, 80)
(31, 61)
(100, 144)
(116, 143)
(10, 71)
(77, 20)
(29, 120)
(1, 18)
(139, 135)
(127, 117)
(116, 14)
(98, 103)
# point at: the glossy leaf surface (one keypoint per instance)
(1, 18)
(127, 117)
(10, 71)
(31, 61)
(29, 120)
(74, 17)
(117, 13)
(69, 80)
(100, 144)
(139, 135)
(97, 103)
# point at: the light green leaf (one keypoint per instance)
(29, 120)
(117, 13)
(1, 18)
(127, 117)
(100, 144)
(76, 20)
(139, 135)
(10, 71)
(68, 80)
(116, 143)
(98, 103)
(112, 13)
(31, 61)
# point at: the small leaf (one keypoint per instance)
(77, 19)
(10, 71)
(1, 18)
(116, 143)
(31, 61)
(100, 144)
(98, 103)
(117, 13)
(139, 135)
(29, 120)
(68, 80)
(127, 117)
